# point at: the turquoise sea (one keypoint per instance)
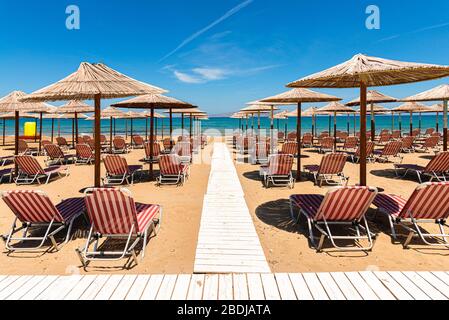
(219, 125)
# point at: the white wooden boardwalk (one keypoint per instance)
(293, 286)
(227, 241)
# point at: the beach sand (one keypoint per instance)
(173, 251)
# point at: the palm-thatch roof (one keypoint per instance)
(251, 109)
(413, 107)
(91, 80)
(335, 107)
(190, 111)
(147, 114)
(373, 96)
(435, 94)
(300, 95)
(111, 112)
(72, 116)
(376, 109)
(135, 115)
(12, 102)
(281, 115)
(152, 101)
(372, 72)
(437, 107)
(76, 106)
(261, 103)
(12, 115)
(238, 115)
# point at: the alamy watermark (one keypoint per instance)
(373, 20)
(73, 20)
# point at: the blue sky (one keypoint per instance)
(217, 54)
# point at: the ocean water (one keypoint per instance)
(217, 126)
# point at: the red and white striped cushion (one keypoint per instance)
(333, 163)
(290, 148)
(280, 165)
(53, 151)
(309, 203)
(116, 165)
(84, 151)
(119, 143)
(392, 149)
(145, 215)
(170, 164)
(439, 164)
(29, 165)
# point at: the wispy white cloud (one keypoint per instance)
(211, 73)
(227, 15)
(187, 78)
(436, 26)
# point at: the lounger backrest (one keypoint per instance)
(45, 142)
(431, 142)
(333, 163)
(307, 139)
(385, 138)
(84, 151)
(281, 135)
(392, 148)
(429, 131)
(290, 148)
(407, 142)
(23, 146)
(116, 165)
(280, 164)
(31, 206)
(439, 164)
(351, 143)
(111, 212)
(396, 134)
(346, 204)
(119, 143)
(86, 139)
(416, 132)
(291, 136)
(138, 140)
(29, 165)
(61, 141)
(103, 138)
(53, 151)
(429, 201)
(156, 149)
(342, 135)
(327, 143)
(183, 149)
(323, 135)
(170, 164)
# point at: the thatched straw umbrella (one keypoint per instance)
(240, 117)
(157, 116)
(376, 109)
(373, 97)
(75, 107)
(335, 108)
(437, 108)
(152, 102)
(112, 113)
(440, 93)
(12, 116)
(260, 108)
(133, 115)
(299, 96)
(412, 107)
(192, 113)
(13, 103)
(363, 72)
(94, 81)
(281, 116)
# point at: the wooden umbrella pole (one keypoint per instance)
(132, 130)
(373, 123)
(438, 122)
(40, 132)
(126, 129)
(411, 123)
(330, 121)
(363, 155)
(97, 140)
(400, 123)
(151, 143)
(111, 120)
(73, 132)
(445, 118)
(420, 122)
(298, 141)
(348, 125)
(155, 128)
(355, 125)
(146, 128)
(16, 140)
(392, 122)
(171, 129)
(191, 124)
(4, 131)
(52, 129)
(76, 127)
(162, 120)
(271, 130)
(335, 131)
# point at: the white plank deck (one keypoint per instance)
(240, 286)
(227, 241)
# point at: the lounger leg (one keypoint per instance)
(409, 239)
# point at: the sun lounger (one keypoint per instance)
(260, 152)
(391, 151)
(55, 155)
(342, 206)
(351, 143)
(184, 151)
(6, 160)
(84, 154)
(384, 139)
(137, 142)
(355, 156)
(30, 171)
(119, 146)
(326, 145)
(430, 144)
(289, 148)
(118, 171)
(291, 137)
(168, 145)
(156, 152)
(437, 168)
(428, 204)
(62, 143)
(35, 209)
(407, 144)
(172, 170)
(278, 171)
(25, 150)
(6, 174)
(332, 165)
(114, 214)
(396, 135)
(307, 141)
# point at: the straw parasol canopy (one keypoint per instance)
(362, 72)
(12, 116)
(413, 107)
(254, 108)
(75, 106)
(72, 116)
(440, 93)
(281, 115)
(437, 107)
(111, 112)
(335, 107)
(373, 96)
(377, 108)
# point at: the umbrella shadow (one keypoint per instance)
(277, 214)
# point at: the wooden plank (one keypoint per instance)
(409, 286)
(240, 287)
(443, 276)
(225, 287)
(39, 288)
(60, 288)
(182, 287)
(299, 285)
(167, 286)
(346, 286)
(79, 289)
(285, 287)
(436, 282)
(394, 287)
(123, 288)
(8, 281)
(136, 290)
(255, 287)
(210, 287)
(315, 287)
(270, 287)
(152, 287)
(109, 287)
(25, 287)
(421, 283)
(331, 288)
(94, 287)
(14, 286)
(196, 287)
(376, 285)
(361, 286)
